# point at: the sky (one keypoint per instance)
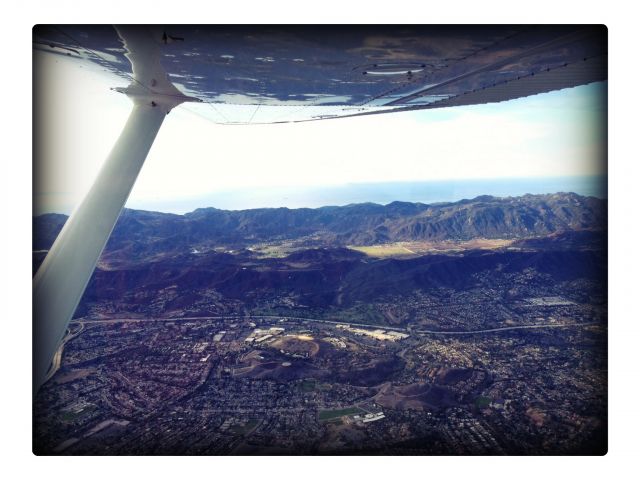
(79, 117)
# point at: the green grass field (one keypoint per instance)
(244, 429)
(327, 415)
(308, 386)
(483, 402)
(69, 417)
(359, 313)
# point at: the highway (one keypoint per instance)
(502, 329)
(57, 358)
(319, 320)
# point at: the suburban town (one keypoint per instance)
(534, 382)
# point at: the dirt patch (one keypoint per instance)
(300, 345)
(71, 375)
(537, 417)
(414, 249)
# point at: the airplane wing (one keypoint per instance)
(281, 74)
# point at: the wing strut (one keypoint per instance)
(63, 276)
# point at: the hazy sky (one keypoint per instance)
(548, 135)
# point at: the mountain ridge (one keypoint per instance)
(356, 224)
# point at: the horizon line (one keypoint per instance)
(498, 197)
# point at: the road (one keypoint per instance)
(502, 329)
(320, 320)
(57, 358)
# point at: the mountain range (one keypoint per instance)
(210, 261)
(358, 224)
